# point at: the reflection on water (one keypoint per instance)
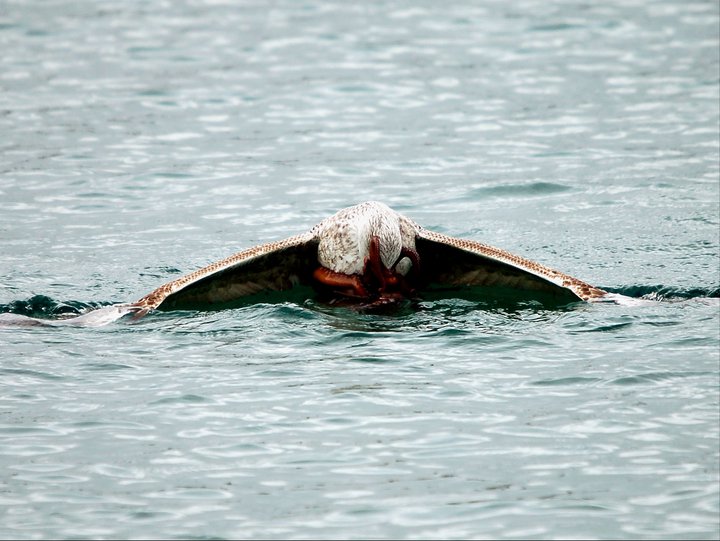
(142, 141)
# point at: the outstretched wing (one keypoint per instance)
(450, 261)
(275, 266)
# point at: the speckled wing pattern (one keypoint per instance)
(281, 265)
(467, 262)
(272, 266)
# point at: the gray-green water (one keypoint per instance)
(140, 140)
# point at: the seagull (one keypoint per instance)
(366, 256)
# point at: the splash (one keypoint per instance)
(664, 293)
(42, 311)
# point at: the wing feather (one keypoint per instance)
(274, 266)
(456, 262)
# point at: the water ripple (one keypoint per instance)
(144, 140)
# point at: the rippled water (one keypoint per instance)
(142, 140)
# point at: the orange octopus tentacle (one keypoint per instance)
(344, 282)
(414, 258)
(385, 276)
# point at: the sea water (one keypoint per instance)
(143, 140)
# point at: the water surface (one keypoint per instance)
(144, 140)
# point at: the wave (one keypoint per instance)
(42, 306)
(41, 310)
(665, 293)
